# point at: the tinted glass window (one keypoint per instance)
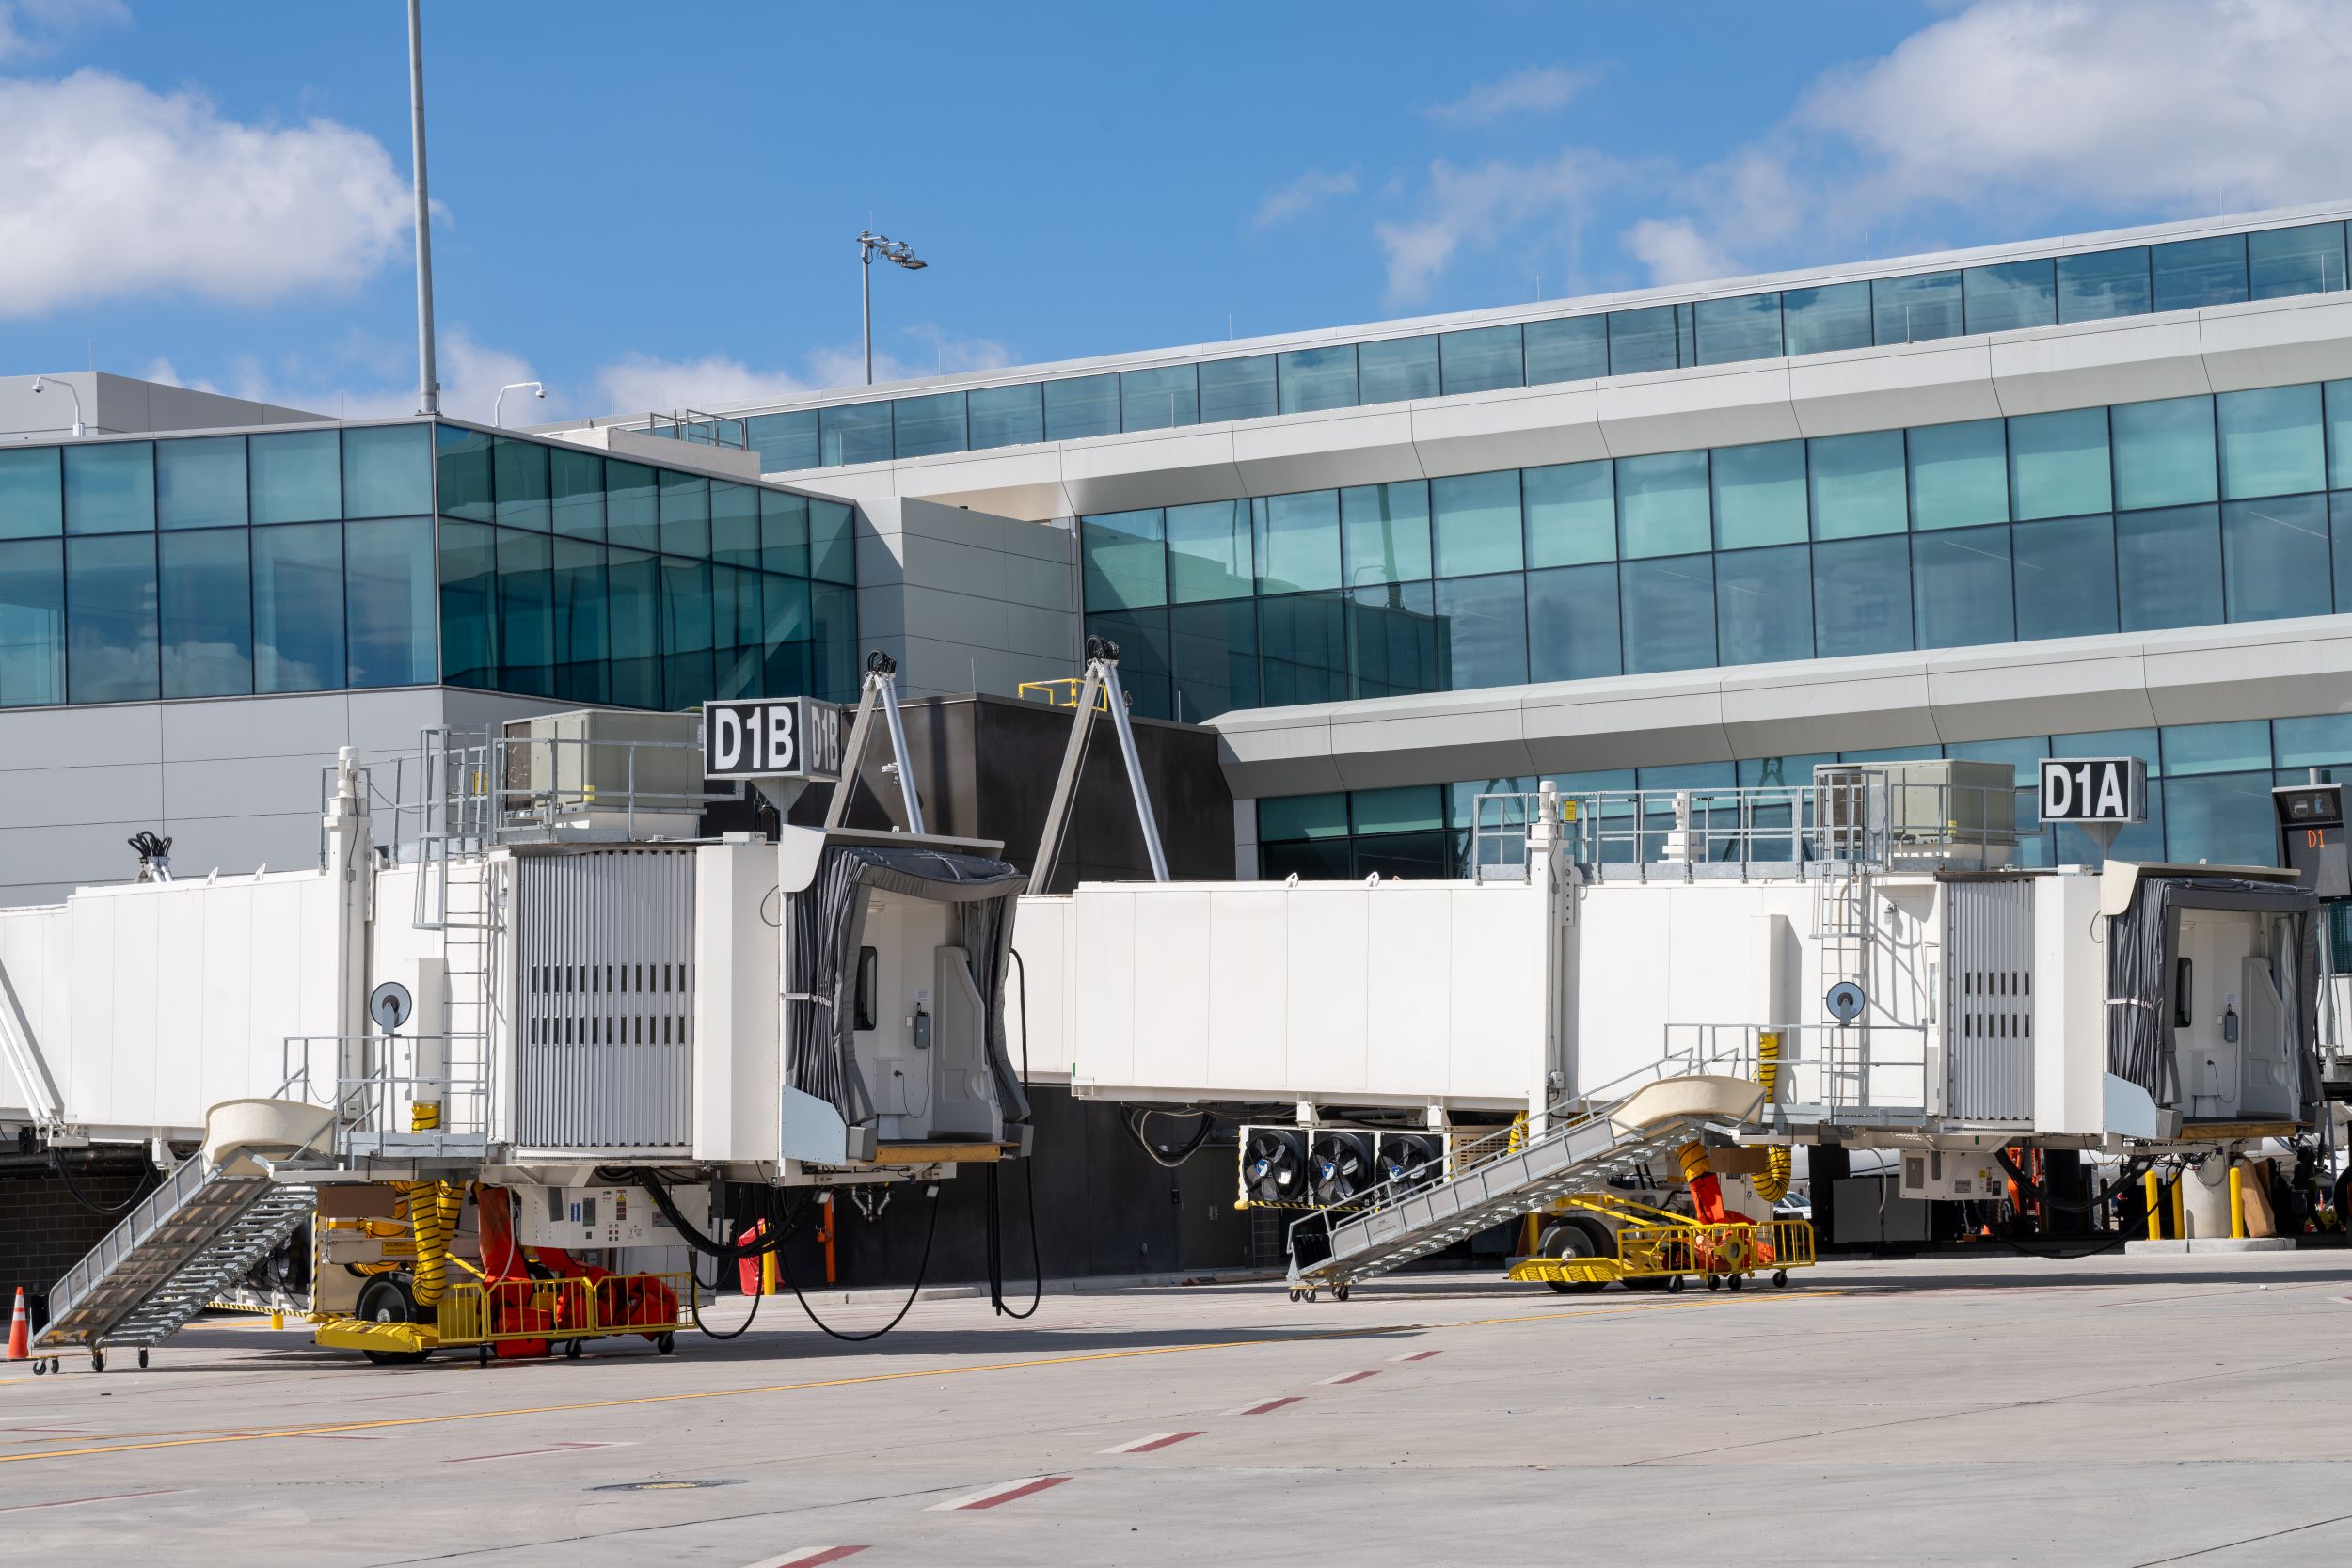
(633, 617)
(1747, 327)
(2339, 535)
(1298, 541)
(2304, 261)
(925, 425)
(1238, 390)
(1764, 605)
(1857, 485)
(205, 613)
(2168, 567)
(2164, 454)
(387, 471)
(784, 441)
(2102, 284)
(1208, 551)
(1643, 340)
(1384, 529)
(1914, 310)
(1861, 596)
(1760, 495)
(685, 513)
(31, 497)
(1126, 558)
(520, 474)
(1478, 524)
(1484, 627)
(632, 504)
(575, 491)
(1827, 319)
(32, 622)
(1572, 624)
(687, 628)
(110, 487)
(784, 532)
(833, 542)
(2058, 465)
(388, 573)
(2339, 409)
(2274, 558)
(297, 477)
(110, 611)
(855, 433)
(1396, 370)
(1961, 592)
(1571, 515)
(1662, 505)
(463, 461)
(1304, 640)
(1212, 649)
(1087, 405)
(2220, 818)
(1006, 416)
(2271, 442)
(733, 523)
(1959, 474)
(1159, 399)
(200, 483)
(2189, 273)
(1480, 360)
(2065, 577)
(2010, 295)
(1392, 640)
(298, 608)
(1312, 378)
(1573, 348)
(1668, 610)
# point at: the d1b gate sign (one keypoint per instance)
(782, 737)
(2094, 789)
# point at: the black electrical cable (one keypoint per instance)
(1029, 1174)
(65, 1174)
(2036, 1191)
(783, 1263)
(748, 1318)
(727, 1252)
(1138, 1116)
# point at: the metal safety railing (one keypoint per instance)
(374, 1085)
(563, 1309)
(1861, 1071)
(695, 428)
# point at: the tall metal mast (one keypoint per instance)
(428, 384)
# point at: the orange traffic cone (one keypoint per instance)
(20, 1331)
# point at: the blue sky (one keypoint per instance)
(655, 205)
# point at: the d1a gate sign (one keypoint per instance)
(2094, 789)
(779, 738)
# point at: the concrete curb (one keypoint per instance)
(2207, 1246)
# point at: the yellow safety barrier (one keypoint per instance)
(553, 1312)
(2155, 1190)
(1657, 1243)
(1063, 692)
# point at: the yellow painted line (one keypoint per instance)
(870, 1377)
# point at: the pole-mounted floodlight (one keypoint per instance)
(42, 384)
(497, 409)
(868, 243)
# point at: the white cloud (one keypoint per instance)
(1676, 252)
(1536, 89)
(109, 189)
(30, 28)
(2035, 111)
(639, 383)
(1478, 207)
(1303, 195)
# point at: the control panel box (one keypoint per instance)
(1934, 1173)
(585, 1218)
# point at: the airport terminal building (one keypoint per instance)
(2088, 496)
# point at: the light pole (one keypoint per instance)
(42, 384)
(428, 381)
(893, 250)
(497, 409)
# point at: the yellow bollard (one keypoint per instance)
(277, 1319)
(2180, 1211)
(2155, 1215)
(767, 1273)
(2237, 1201)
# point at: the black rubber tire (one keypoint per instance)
(142, 1358)
(667, 1344)
(1338, 1293)
(1674, 1284)
(1738, 1282)
(571, 1350)
(97, 1360)
(482, 1355)
(40, 1367)
(386, 1299)
(1570, 1239)
(1715, 1282)
(1780, 1280)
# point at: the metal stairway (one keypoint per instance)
(186, 1242)
(1578, 1156)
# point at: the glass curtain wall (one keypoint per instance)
(2195, 511)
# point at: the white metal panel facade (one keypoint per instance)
(1988, 987)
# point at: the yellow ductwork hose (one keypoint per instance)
(434, 1208)
(1774, 1184)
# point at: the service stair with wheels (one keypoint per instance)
(1598, 1140)
(185, 1244)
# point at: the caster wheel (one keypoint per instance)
(1715, 1282)
(1674, 1284)
(1780, 1279)
(1737, 1281)
(142, 1356)
(1311, 1294)
(97, 1361)
(482, 1355)
(571, 1350)
(1294, 1292)
(40, 1368)
(667, 1344)
(1338, 1293)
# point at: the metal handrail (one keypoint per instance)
(1841, 1069)
(396, 1072)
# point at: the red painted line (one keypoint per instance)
(1418, 1356)
(1267, 1405)
(526, 1453)
(1349, 1377)
(808, 1557)
(997, 1496)
(109, 1498)
(1153, 1442)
